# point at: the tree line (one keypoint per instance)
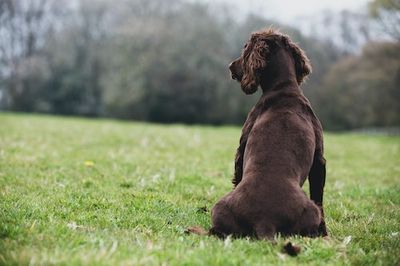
(166, 61)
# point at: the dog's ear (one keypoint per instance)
(302, 63)
(256, 61)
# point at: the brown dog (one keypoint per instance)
(281, 144)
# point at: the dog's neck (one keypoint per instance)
(280, 72)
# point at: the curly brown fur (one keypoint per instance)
(255, 54)
(257, 50)
(302, 63)
(254, 61)
(281, 144)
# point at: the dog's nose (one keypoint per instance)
(233, 74)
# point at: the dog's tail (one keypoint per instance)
(197, 230)
(291, 249)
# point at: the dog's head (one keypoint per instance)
(253, 62)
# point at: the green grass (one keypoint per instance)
(78, 191)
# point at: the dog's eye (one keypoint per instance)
(245, 46)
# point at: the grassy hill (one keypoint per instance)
(77, 191)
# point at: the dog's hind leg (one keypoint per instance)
(317, 182)
(223, 221)
(308, 222)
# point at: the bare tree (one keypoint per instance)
(23, 25)
(387, 14)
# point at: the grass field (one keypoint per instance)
(76, 191)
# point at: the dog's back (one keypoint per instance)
(277, 159)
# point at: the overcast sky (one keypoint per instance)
(287, 11)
